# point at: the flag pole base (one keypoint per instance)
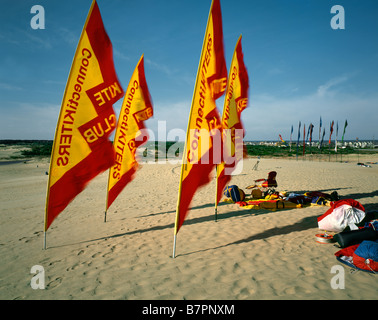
(174, 246)
(44, 240)
(105, 217)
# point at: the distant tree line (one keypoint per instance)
(44, 147)
(284, 151)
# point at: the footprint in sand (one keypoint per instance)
(26, 240)
(75, 266)
(296, 290)
(55, 283)
(308, 271)
(246, 293)
(54, 262)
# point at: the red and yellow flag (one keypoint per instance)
(81, 148)
(203, 132)
(236, 100)
(136, 108)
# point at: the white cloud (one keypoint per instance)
(325, 88)
(9, 87)
(267, 116)
(160, 67)
(68, 36)
(170, 119)
(38, 40)
(29, 121)
(120, 55)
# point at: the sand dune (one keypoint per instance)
(246, 254)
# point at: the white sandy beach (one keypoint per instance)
(247, 254)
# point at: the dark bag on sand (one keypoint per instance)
(349, 238)
(234, 193)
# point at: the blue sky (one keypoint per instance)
(299, 67)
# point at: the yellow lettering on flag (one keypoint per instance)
(236, 100)
(203, 132)
(81, 148)
(136, 108)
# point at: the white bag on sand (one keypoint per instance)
(342, 214)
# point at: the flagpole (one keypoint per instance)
(216, 195)
(56, 129)
(180, 188)
(107, 197)
(174, 245)
(178, 206)
(44, 240)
